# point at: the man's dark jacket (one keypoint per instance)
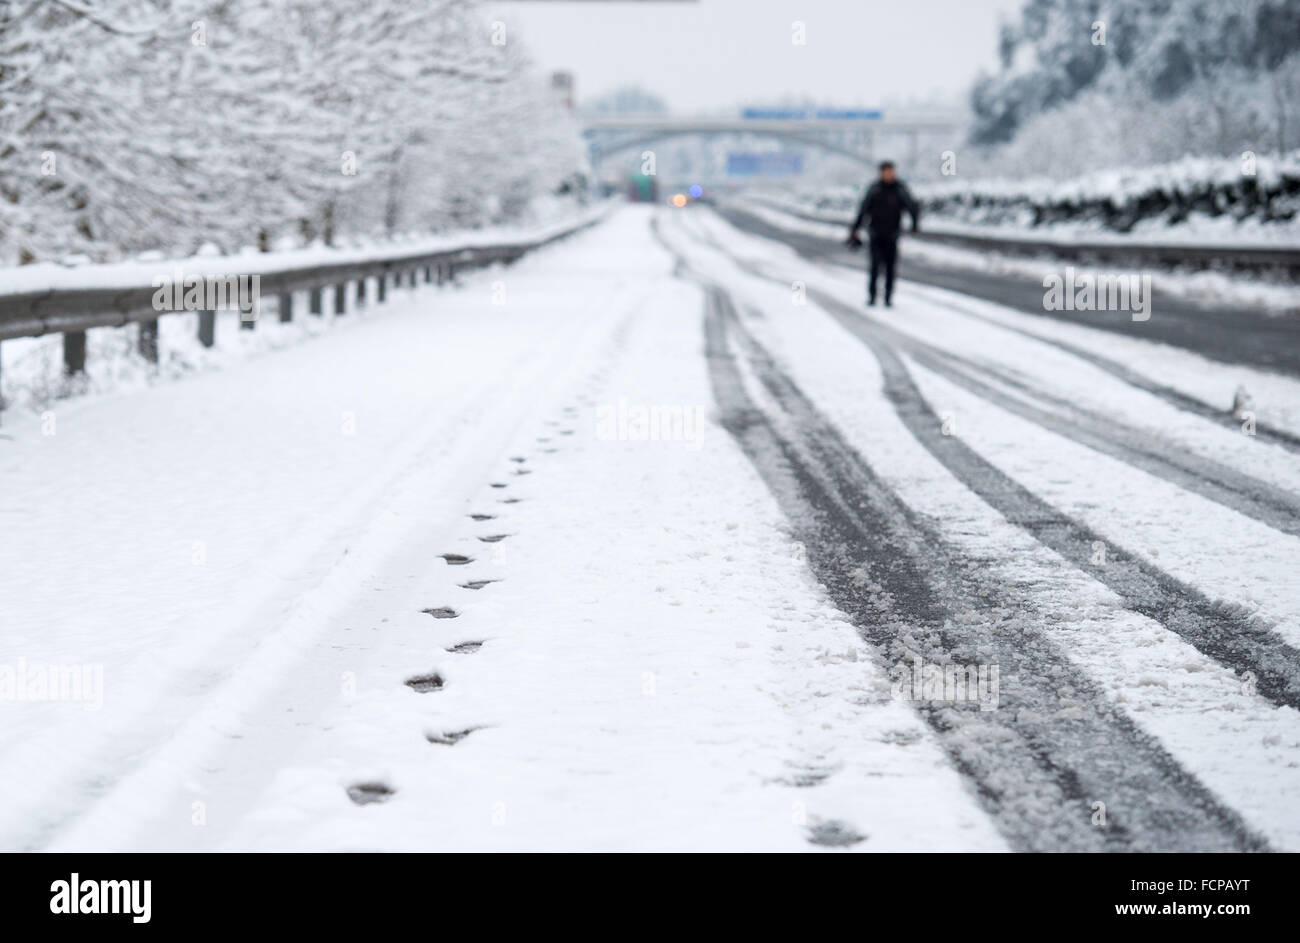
(883, 206)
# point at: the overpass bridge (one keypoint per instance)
(854, 133)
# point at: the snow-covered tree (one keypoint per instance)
(1079, 60)
(140, 124)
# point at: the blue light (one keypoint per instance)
(696, 191)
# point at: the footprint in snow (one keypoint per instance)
(456, 559)
(465, 648)
(806, 776)
(367, 793)
(423, 684)
(442, 612)
(833, 833)
(451, 737)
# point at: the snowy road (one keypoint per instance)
(1215, 328)
(658, 540)
(970, 496)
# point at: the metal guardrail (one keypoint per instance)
(1249, 260)
(73, 311)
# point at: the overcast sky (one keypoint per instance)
(716, 53)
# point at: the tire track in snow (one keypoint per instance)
(1051, 748)
(1258, 340)
(1068, 745)
(1211, 479)
(1176, 398)
(819, 251)
(1233, 639)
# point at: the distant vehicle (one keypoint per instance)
(642, 189)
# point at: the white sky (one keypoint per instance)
(720, 53)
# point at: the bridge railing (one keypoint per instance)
(74, 310)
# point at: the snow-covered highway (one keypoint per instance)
(658, 539)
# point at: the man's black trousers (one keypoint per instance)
(884, 254)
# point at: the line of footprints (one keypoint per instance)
(366, 793)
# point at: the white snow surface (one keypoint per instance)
(247, 552)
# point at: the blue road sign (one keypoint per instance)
(804, 114)
(764, 164)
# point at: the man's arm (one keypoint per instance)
(912, 206)
(865, 209)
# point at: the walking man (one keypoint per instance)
(882, 211)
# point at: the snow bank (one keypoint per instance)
(1194, 199)
(31, 368)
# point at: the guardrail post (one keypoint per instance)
(74, 352)
(207, 328)
(428, 274)
(286, 307)
(316, 307)
(361, 291)
(442, 274)
(147, 340)
(381, 287)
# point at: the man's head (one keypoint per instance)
(887, 174)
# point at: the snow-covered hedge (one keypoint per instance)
(1114, 200)
(1120, 199)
